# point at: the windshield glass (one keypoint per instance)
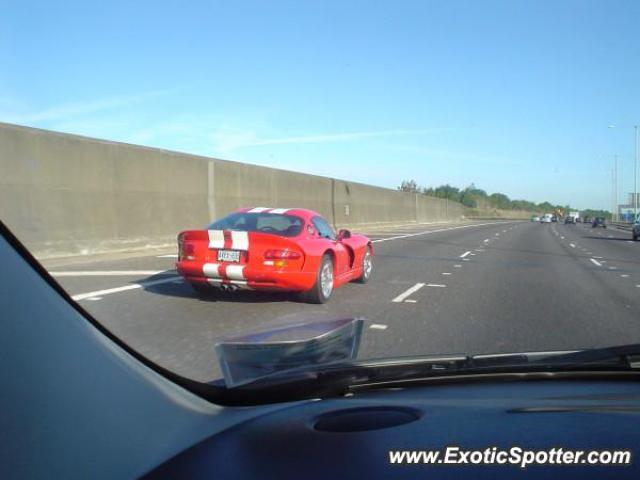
(444, 177)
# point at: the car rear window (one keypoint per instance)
(277, 224)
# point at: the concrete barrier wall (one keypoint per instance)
(67, 195)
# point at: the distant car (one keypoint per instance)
(636, 230)
(546, 218)
(570, 220)
(535, 218)
(554, 218)
(273, 249)
(598, 222)
(587, 220)
(578, 220)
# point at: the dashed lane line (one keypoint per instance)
(378, 326)
(408, 292)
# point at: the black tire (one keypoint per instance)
(366, 275)
(317, 294)
(635, 237)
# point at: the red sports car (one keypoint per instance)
(278, 249)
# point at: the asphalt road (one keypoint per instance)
(483, 287)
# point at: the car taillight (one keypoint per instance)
(281, 255)
(186, 251)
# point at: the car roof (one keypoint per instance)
(305, 213)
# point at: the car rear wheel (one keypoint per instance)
(635, 237)
(322, 290)
(367, 267)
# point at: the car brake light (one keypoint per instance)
(281, 255)
(186, 251)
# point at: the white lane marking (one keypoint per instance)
(589, 253)
(479, 250)
(561, 237)
(597, 257)
(93, 299)
(408, 300)
(109, 291)
(446, 273)
(464, 254)
(258, 209)
(408, 292)
(466, 259)
(111, 273)
(497, 234)
(438, 285)
(428, 232)
(624, 275)
(279, 211)
(486, 240)
(572, 245)
(504, 231)
(629, 241)
(378, 326)
(170, 255)
(457, 265)
(216, 238)
(472, 254)
(240, 240)
(613, 268)
(595, 262)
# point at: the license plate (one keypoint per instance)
(228, 256)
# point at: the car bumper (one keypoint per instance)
(273, 279)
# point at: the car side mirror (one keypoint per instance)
(343, 234)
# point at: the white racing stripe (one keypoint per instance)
(279, 211)
(112, 273)
(239, 241)
(408, 292)
(216, 239)
(211, 270)
(109, 291)
(258, 209)
(235, 272)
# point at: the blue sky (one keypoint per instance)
(513, 96)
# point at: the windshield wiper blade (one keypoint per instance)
(338, 379)
(623, 355)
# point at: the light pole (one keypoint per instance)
(635, 178)
(636, 128)
(615, 187)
